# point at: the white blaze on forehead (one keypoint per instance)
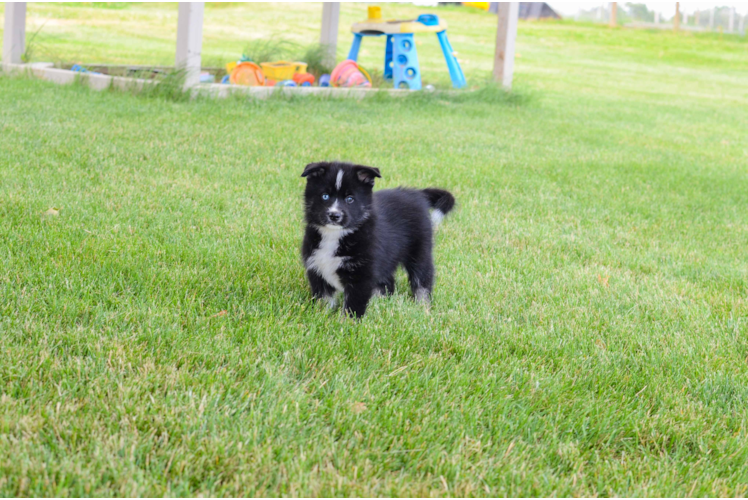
(339, 180)
(334, 208)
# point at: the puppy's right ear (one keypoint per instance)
(315, 169)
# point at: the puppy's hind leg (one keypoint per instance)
(421, 276)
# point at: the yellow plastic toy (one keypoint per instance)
(477, 5)
(374, 25)
(282, 70)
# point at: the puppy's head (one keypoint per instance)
(338, 195)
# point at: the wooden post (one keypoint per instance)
(731, 22)
(328, 35)
(190, 40)
(506, 34)
(14, 32)
(676, 19)
(741, 25)
(696, 18)
(711, 19)
(613, 15)
(657, 18)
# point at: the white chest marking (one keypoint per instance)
(323, 259)
(339, 180)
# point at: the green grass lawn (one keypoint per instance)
(589, 328)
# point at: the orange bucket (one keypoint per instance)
(247, 73)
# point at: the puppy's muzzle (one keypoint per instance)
(335, 216)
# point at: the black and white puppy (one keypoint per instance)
(355, 238)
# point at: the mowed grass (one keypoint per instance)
(588, 333)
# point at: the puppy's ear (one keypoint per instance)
(366, 174)
(315, 169)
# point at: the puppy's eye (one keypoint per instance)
(325, 196)
(349, 199)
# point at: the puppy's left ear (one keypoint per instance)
(315, 169)
(366, 174)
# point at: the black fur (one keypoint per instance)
(375, 232)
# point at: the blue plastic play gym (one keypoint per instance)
(401, 58)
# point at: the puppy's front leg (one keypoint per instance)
(321, 289)
(356, 299)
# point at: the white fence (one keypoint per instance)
(722, 19)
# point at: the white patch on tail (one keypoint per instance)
(339, 179)
(436, 218)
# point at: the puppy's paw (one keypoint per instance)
(332, 301)
(350, 314)
(423, 295)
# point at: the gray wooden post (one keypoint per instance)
(506, 34)
(741, 25)
(328, 36)
(731, 23)
(190, 40)
(711, 19)
(14, 33)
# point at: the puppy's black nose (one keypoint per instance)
(335, 217)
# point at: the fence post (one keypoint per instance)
(506, 34)
(711, 19)
(741, 25)
(190, 40)
(731, 23)
(328, 36)
(613, 15)
(14, 32)
(676, 19)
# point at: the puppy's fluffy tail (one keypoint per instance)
(441, 201)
